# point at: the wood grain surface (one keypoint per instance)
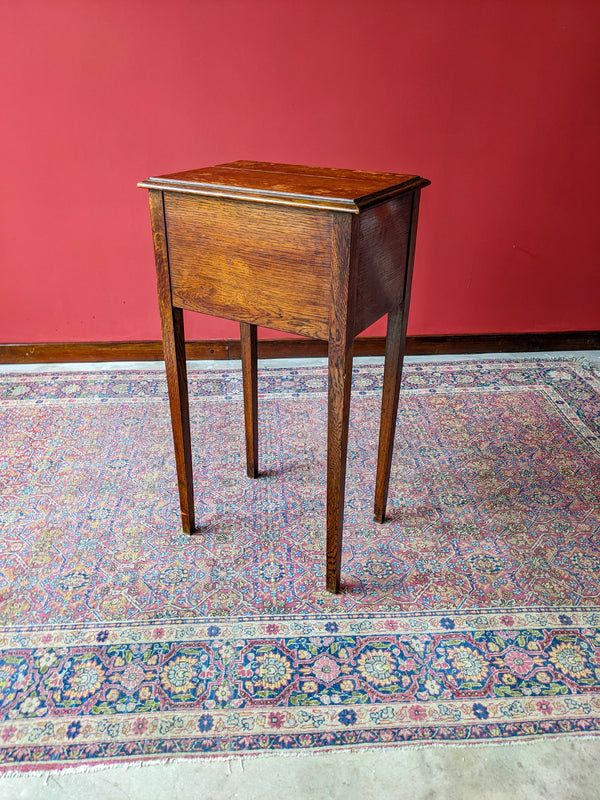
(289, 184)
(392, 373)
(250, 384)
(344, 255)
(265, 265)
(226, 349)
(175, 363)
(383, 242)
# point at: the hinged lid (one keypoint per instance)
(289, 184)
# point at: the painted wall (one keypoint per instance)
(496, 101)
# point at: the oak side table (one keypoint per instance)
(314, 251)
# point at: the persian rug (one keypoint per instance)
(472, 614)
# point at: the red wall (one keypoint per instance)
(498, 103)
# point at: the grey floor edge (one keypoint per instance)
(549, 769)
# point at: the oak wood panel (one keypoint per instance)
(383, 241)
(245, 261)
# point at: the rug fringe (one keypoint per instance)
(238, 758)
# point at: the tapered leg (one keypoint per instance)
(341, 336)
(250, 380)
(340, 380)
(392, 375)
(174, 353)
(174, 350)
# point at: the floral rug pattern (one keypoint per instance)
(472, 613)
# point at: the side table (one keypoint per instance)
(313, 251)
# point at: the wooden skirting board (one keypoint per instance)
(223, 349)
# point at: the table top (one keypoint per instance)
(289, 184)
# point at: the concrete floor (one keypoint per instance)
(544, 769)
(562, 769)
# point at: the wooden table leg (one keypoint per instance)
(174, 350)
(174, 353)
(250, 381)
(392, 375)
(344, 254)
(338, 412)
